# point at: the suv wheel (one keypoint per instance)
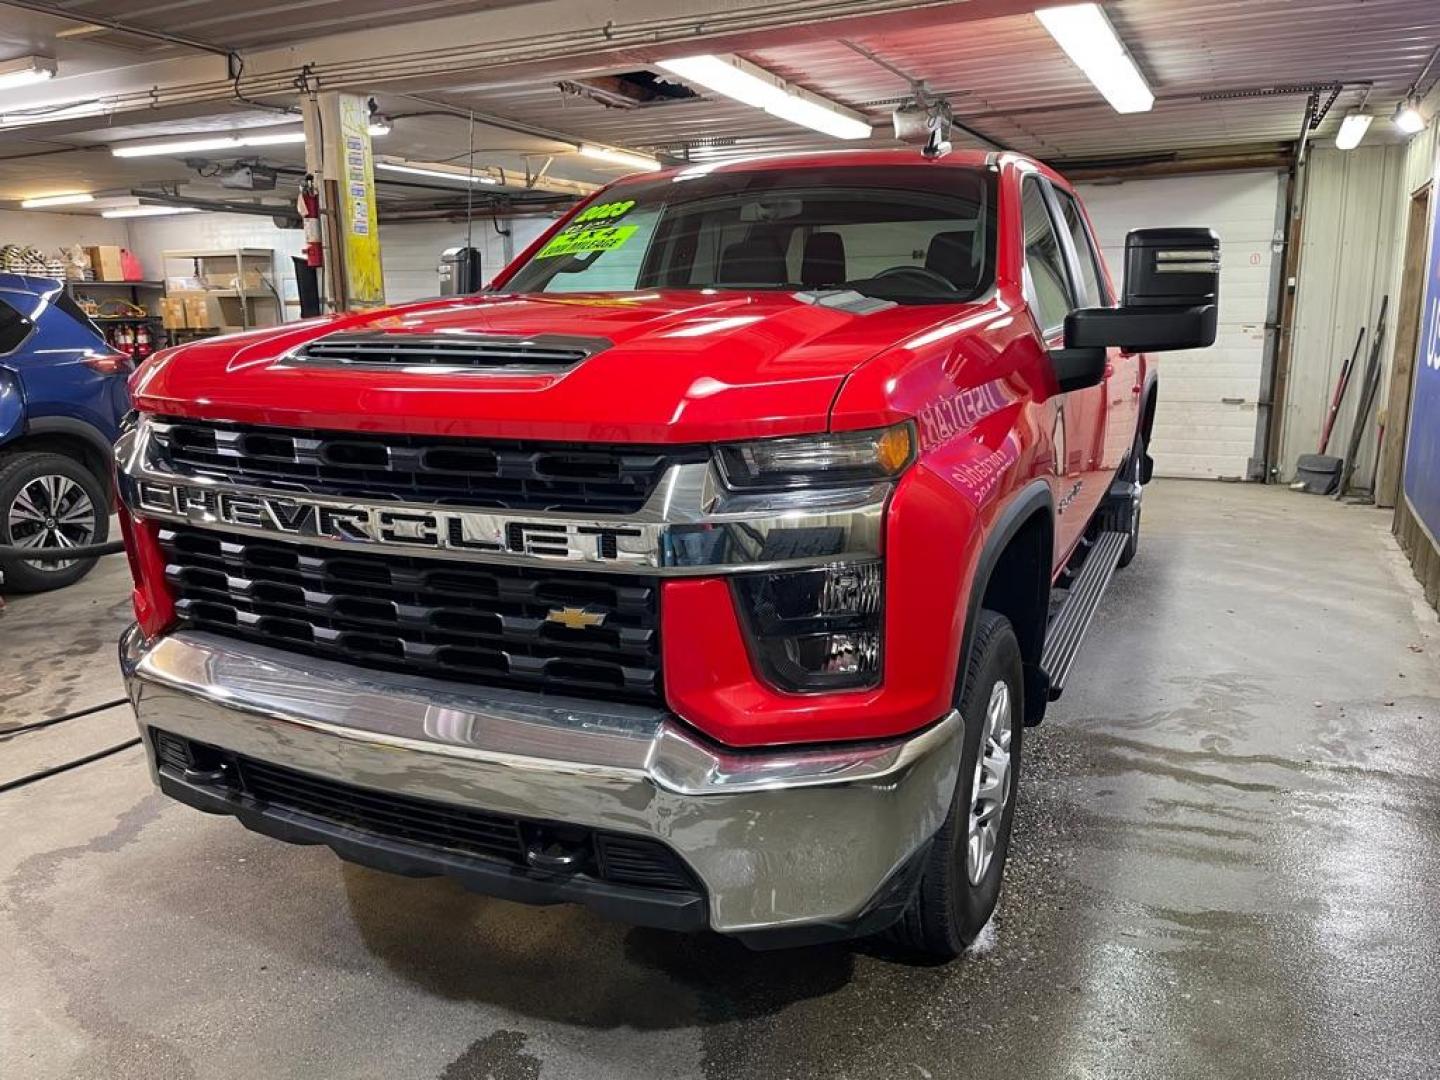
(49, 502)
(960, 886)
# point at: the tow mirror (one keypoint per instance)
(1172, 296)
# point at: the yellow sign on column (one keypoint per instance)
(350, 163)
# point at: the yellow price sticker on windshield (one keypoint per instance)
(599, 238)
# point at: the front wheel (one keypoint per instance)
(960, 885)
(49, 502)
(1134, 473)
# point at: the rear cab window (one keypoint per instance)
(1087, 254)
(1047, 281)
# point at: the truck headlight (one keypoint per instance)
(829, 460)
(817, 629)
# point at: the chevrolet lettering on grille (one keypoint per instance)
(405, 527)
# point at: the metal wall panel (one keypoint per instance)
(410, 251)
(149, 237)
(1349, 248)
(1205, 420)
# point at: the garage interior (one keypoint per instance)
(1224, 854)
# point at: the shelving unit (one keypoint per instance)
(258, 306)
(134, 288)
(139, 293)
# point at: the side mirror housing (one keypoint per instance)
(1172, 296)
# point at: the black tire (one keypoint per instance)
(948, 909)
(1134, 472)
(17, 472)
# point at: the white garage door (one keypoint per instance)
(1205, 422)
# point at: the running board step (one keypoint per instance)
(1067, 629)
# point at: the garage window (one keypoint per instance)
(912, 235)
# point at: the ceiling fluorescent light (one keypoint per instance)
(56, 200)
(727, 76)
(1087, 37)
(24, 70)
(758, 88)
(643, 162)
(1352, 130)
(148, 211)
(279, 138)
(254, 137)
(379, 127)
(441, 174)
(801, 108)
(1408, 117)
(177, 146)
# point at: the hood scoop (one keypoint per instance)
(447, 354)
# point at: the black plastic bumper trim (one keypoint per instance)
(882, 912)
(676, 911)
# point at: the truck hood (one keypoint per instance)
(681, 367)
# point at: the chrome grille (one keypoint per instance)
(496, 354)
(510, 475)
(485, 624)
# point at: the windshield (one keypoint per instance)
(913, 234)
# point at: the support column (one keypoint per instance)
(338, 154)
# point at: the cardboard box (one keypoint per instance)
(172, 312)
(206, 311)
(105, 262)
(226, 278)
(199, 314)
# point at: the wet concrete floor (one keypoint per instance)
(1224, 866)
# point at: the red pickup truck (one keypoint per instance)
(705, 569)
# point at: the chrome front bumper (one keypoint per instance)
(781, 839)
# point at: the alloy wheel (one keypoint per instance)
(51, 512)
(990, 791)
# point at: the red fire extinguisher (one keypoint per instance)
(142, 342)
(309, 206)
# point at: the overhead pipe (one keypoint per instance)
(86, 19)
(1134, 169)
(288, 211)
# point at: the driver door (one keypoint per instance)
(1077, 419)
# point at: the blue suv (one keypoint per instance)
(62, 394)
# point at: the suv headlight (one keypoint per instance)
(819, 629)
(829, 460)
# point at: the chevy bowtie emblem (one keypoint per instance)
(575, 618)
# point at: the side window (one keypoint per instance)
(66, 303)
(1096, 294)
(14, 328)
(1047, 284)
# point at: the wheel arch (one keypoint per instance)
(1149, 397)
(70, 437)
(1012, 577)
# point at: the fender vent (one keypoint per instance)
(447, 354)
